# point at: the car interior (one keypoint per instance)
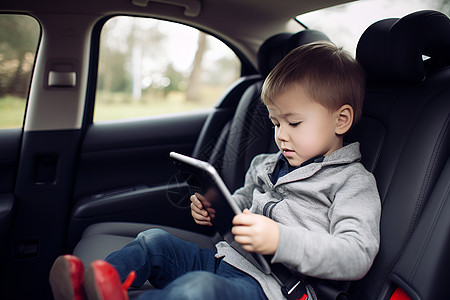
(70, 185)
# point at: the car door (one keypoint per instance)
(19, 36)
(123, 171)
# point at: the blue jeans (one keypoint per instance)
(181, 270)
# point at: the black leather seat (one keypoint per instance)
(405, 138)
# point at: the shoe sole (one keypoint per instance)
(90, 286)
(60, 280)
(102, 282)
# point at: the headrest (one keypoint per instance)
(393, 49)
(274, 49)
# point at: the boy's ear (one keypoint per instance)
(344, 119)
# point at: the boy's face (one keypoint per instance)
(303, 128)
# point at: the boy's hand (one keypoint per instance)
(256, 233)
(198, 212)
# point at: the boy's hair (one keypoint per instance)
(330, 76)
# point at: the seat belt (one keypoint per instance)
(292, 287)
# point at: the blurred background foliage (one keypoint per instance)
(137, 75)
(19, 36)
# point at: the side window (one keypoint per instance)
(149, 67)
(19, 37)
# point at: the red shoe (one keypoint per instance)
(66, 278)
(102, 282)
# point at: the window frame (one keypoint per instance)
(247, 68)
(32, 71)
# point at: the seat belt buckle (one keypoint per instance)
(296, 292)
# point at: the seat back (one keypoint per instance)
(404, 132)
(221, 116)
(423, 269)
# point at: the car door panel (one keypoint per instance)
(9, 152)
(124, 171)
(43, 186)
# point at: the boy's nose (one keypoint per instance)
(281, 134)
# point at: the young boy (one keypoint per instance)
(312, 207)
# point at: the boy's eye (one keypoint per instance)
(275, 125)
(294, 124)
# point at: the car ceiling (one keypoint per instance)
(244, 23)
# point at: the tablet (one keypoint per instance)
(203, 178)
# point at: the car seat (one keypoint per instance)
(405, 141)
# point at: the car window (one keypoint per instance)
(19, 37)
(149, 67)
(346, 23)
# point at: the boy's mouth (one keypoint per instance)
(287, 151)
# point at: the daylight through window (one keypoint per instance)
(149, 67)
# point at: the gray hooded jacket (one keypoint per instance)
(328, 214)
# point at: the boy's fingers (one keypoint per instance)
(196, 202)
(203, 222)
(200, 212)
(240, 230)
(194, 208)
(210, 211)
(243, 240)
(243, 219)
(200, 215)
(199, 219)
